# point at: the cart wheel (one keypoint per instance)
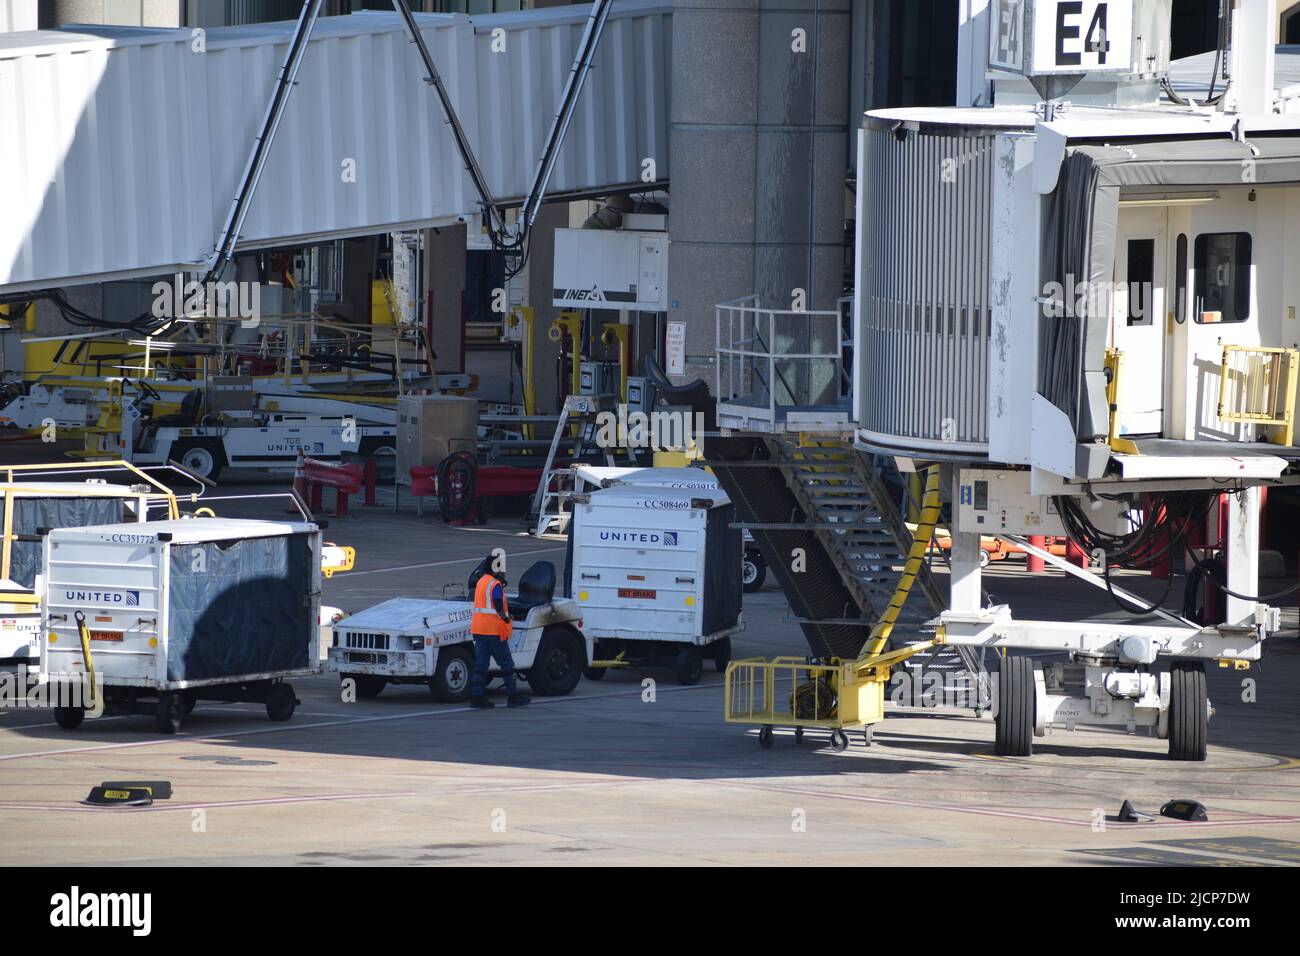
(839, 741)
(280, 701)
(765, 737)
(798, 735)
(689, 665)
(69, 718)
(722, 654)
(170, 713)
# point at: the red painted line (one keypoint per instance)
(1009, 814)
(218, 805)
(341, 722)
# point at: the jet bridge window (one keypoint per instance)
(1141, 280)
(1222, 264)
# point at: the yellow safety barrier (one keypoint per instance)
(1257, 386)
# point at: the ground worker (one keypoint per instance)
(491, 627)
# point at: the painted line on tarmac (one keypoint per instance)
(346, 575)
(215, 805)
(341, 722)
(1280, 762)
(1008, 814)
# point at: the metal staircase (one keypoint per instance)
(837, 486)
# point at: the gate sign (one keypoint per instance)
(1044, 37)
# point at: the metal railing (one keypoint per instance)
(773, 360)
(1257, 386)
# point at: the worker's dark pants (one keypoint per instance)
(486, 650)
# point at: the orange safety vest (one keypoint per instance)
(486, 622)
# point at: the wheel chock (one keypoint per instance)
(1185, 810)
(108, 797)
(158, 789)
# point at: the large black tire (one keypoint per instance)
(368, 685)
(170, 713)
(1189, 711)
(1015, 717)
(722, 654)
(69, 718)
(453, 677)
(753, 570)
(689, 665)
(557, 668)
(281, 702)
(205, 459)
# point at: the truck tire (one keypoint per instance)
(453, 676)
(204, 458)
(557, 668)
(1188, 711)
(689, 665)
(170, 713)
(753, 570)
(281, 702)
(368, 685)
(1015, 718)
(69, 718)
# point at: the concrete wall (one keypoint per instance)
(131, 13)
(759, 158)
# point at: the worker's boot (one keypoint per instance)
(482, 703)
(518, 700)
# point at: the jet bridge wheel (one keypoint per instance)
(1015, 717)
(1188, 711)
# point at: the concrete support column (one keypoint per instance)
(758, 164)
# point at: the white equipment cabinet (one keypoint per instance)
(656, 574)
(422, 641)
(178, 611)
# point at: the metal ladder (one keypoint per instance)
(836, 485)
(552, 504)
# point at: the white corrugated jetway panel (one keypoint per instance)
(959, 354)
(127, 145)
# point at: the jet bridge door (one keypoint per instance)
(1138, 318)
